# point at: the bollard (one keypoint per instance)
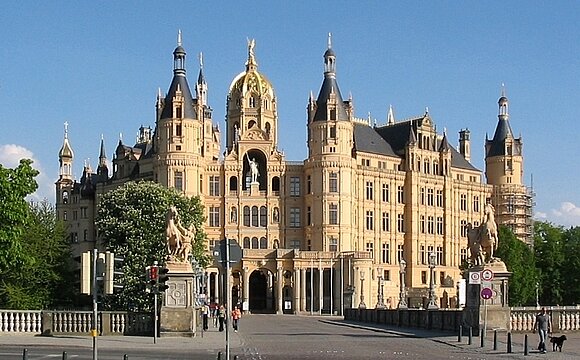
(509, 343)
(460, 334)
(219, 355)
(495, 339)
(526, 344)
(235, 357)
(64, 355)
(470, 336)
(25, 354)
(481, 337)
(125, 357)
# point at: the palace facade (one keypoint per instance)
(369, 218)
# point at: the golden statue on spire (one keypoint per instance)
(251, 45)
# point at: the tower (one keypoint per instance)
(65, 182)
(504, 170)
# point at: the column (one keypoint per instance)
(296, 289)
(217, 288)
(246, 288)
(320, 287)
(303, 289)
(279, 285)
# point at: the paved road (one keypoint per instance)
(272, 337)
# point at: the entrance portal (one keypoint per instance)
(261, 297)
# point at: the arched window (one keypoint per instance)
(254, 243)
(65, 197)
(263, 243)
(247, 243)
(251, 124)
(263, 216)
(275, 183)
(246, 216)
(276, 243)
(233, 183)
(255, 216)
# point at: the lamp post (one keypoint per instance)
(432, 305)
(380, 300)
(402, 294)
(362, 305)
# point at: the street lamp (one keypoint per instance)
(380, 300)
(362, 305)
(402, 295)
(432, 305)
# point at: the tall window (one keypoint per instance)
(463, 228)
(422, 224)
(439, 198)
(178, 180)
(295, 244)
(294, 220)
(430, 225)
(214, 216)
(386, 254)
(308, 184)
(440, 260)
(247, 244)
(422, 196)
(369, 219)
(333, 243)
(255, 243)
(214, 185)
(333, 182)
(369, 187)
(246, 216)
(263, 216)
(333, 214)
(294, 186)
(463, 255)
(463, 202)
(476, 203)
(263, 243)
(401, 194)
(400, 223)
(400, 252)
(439, 225)
(386, 221)
(308, 215)
(385, 192)
(369, 247)
(332, 132)
(255, 216)
(422, 255)
(430, 197)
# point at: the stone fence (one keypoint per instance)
(49, 322)
(564, 319)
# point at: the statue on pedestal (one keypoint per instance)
(254, 171)
(178, 238)
(482, 240)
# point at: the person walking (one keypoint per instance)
(221, 317)
(543, 325)
(205, 315)
(236, 315)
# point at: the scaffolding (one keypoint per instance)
(514, 205)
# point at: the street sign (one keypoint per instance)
(487, 275)
(474, 277)
(220, 252)
(486, 293)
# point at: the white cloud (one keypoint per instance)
(10, 156)
(567, 215)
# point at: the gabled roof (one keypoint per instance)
(366, 139)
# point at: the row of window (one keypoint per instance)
(75, 214)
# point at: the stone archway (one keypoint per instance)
(261, 296)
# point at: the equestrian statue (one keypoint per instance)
(483, 239)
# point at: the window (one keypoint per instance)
(386, 254)
(294, 220)
(75, 215)
(422, 224)
(439, 225)
(430, 197)
(178, 128)
(294, 186)
(178, 180)
(308, 185)
(295, 244)
(252, 102)
(400, 252)
(84, 213)
(440, 259)
(263, 216)
(385, 192)
(214, 185)
(463, 228)
(400, 223)
(422, 196)
(263, 243)
(422, 255)
(333, 182)
(387, 275)
(64, 216)
(463, 255)
(246, 216)
(369, 247)
(430, 225)
(386, 221)
(442, 277)
(426, 166)
(439, 198)
(435, 168)
(333, 214)
(85, 235)
(333, 244)
(255, 243)
(214, 216)
(401, 194)
(369, 220)
(463, 202)
(255, 216)
(369, 188)
(332, 132)
(476, 204)
(247, 244)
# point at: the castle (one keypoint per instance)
(369, 218)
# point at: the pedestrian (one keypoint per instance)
(543, 325)
(204, 315)
(236, 315)
(221, 317)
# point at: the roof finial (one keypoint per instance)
(201, 60)
(330, 40)
(251, 56)
(390, 116)
(502, 89)
(426, 110)
(179, 37)
(66, 130)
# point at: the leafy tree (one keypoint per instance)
(131, 222)
(15, 185)
(519, 259)
(549, 249)
(570, 266)
(44, 276)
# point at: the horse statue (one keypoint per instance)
(177, 237)
(483, 240)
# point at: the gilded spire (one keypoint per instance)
(251, 64)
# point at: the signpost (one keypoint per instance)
(486, 293)
(228, 252)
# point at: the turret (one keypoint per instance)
(65, 157)
(465, 144)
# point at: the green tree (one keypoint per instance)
(15, 185)
(519, 259)
(131, 222)
(570, 266)
(43, 278)
(549, 249)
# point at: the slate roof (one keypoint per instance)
(368, 140)
(188, 109)
(329, 85)
(502, 132)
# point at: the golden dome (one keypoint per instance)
(251, 81)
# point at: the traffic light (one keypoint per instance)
(113, 272)
(151, 272)
(86, 279)
(162, 278)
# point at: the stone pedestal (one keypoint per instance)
(178, 313)
(498, 311)
(255, 188)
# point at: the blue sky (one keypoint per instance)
(98, 65)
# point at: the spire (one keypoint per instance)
(102, 169)
(390, 116)
(329, 60)
(179, 88)
(65, 157)
(66, 150)
(503, 113)
(201, 86)
(503, 131)
(444, 147)
(102, 154)
(412, 138)
(179, 57)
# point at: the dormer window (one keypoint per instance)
(332, 132)
(178, 130)
(178, 112)
(252, 102)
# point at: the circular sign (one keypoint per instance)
(487, 275)
(474, 278)
(486, 293)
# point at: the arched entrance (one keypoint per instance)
(262, 297)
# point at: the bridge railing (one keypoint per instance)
(564, 318)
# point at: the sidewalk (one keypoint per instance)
(570, 350)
